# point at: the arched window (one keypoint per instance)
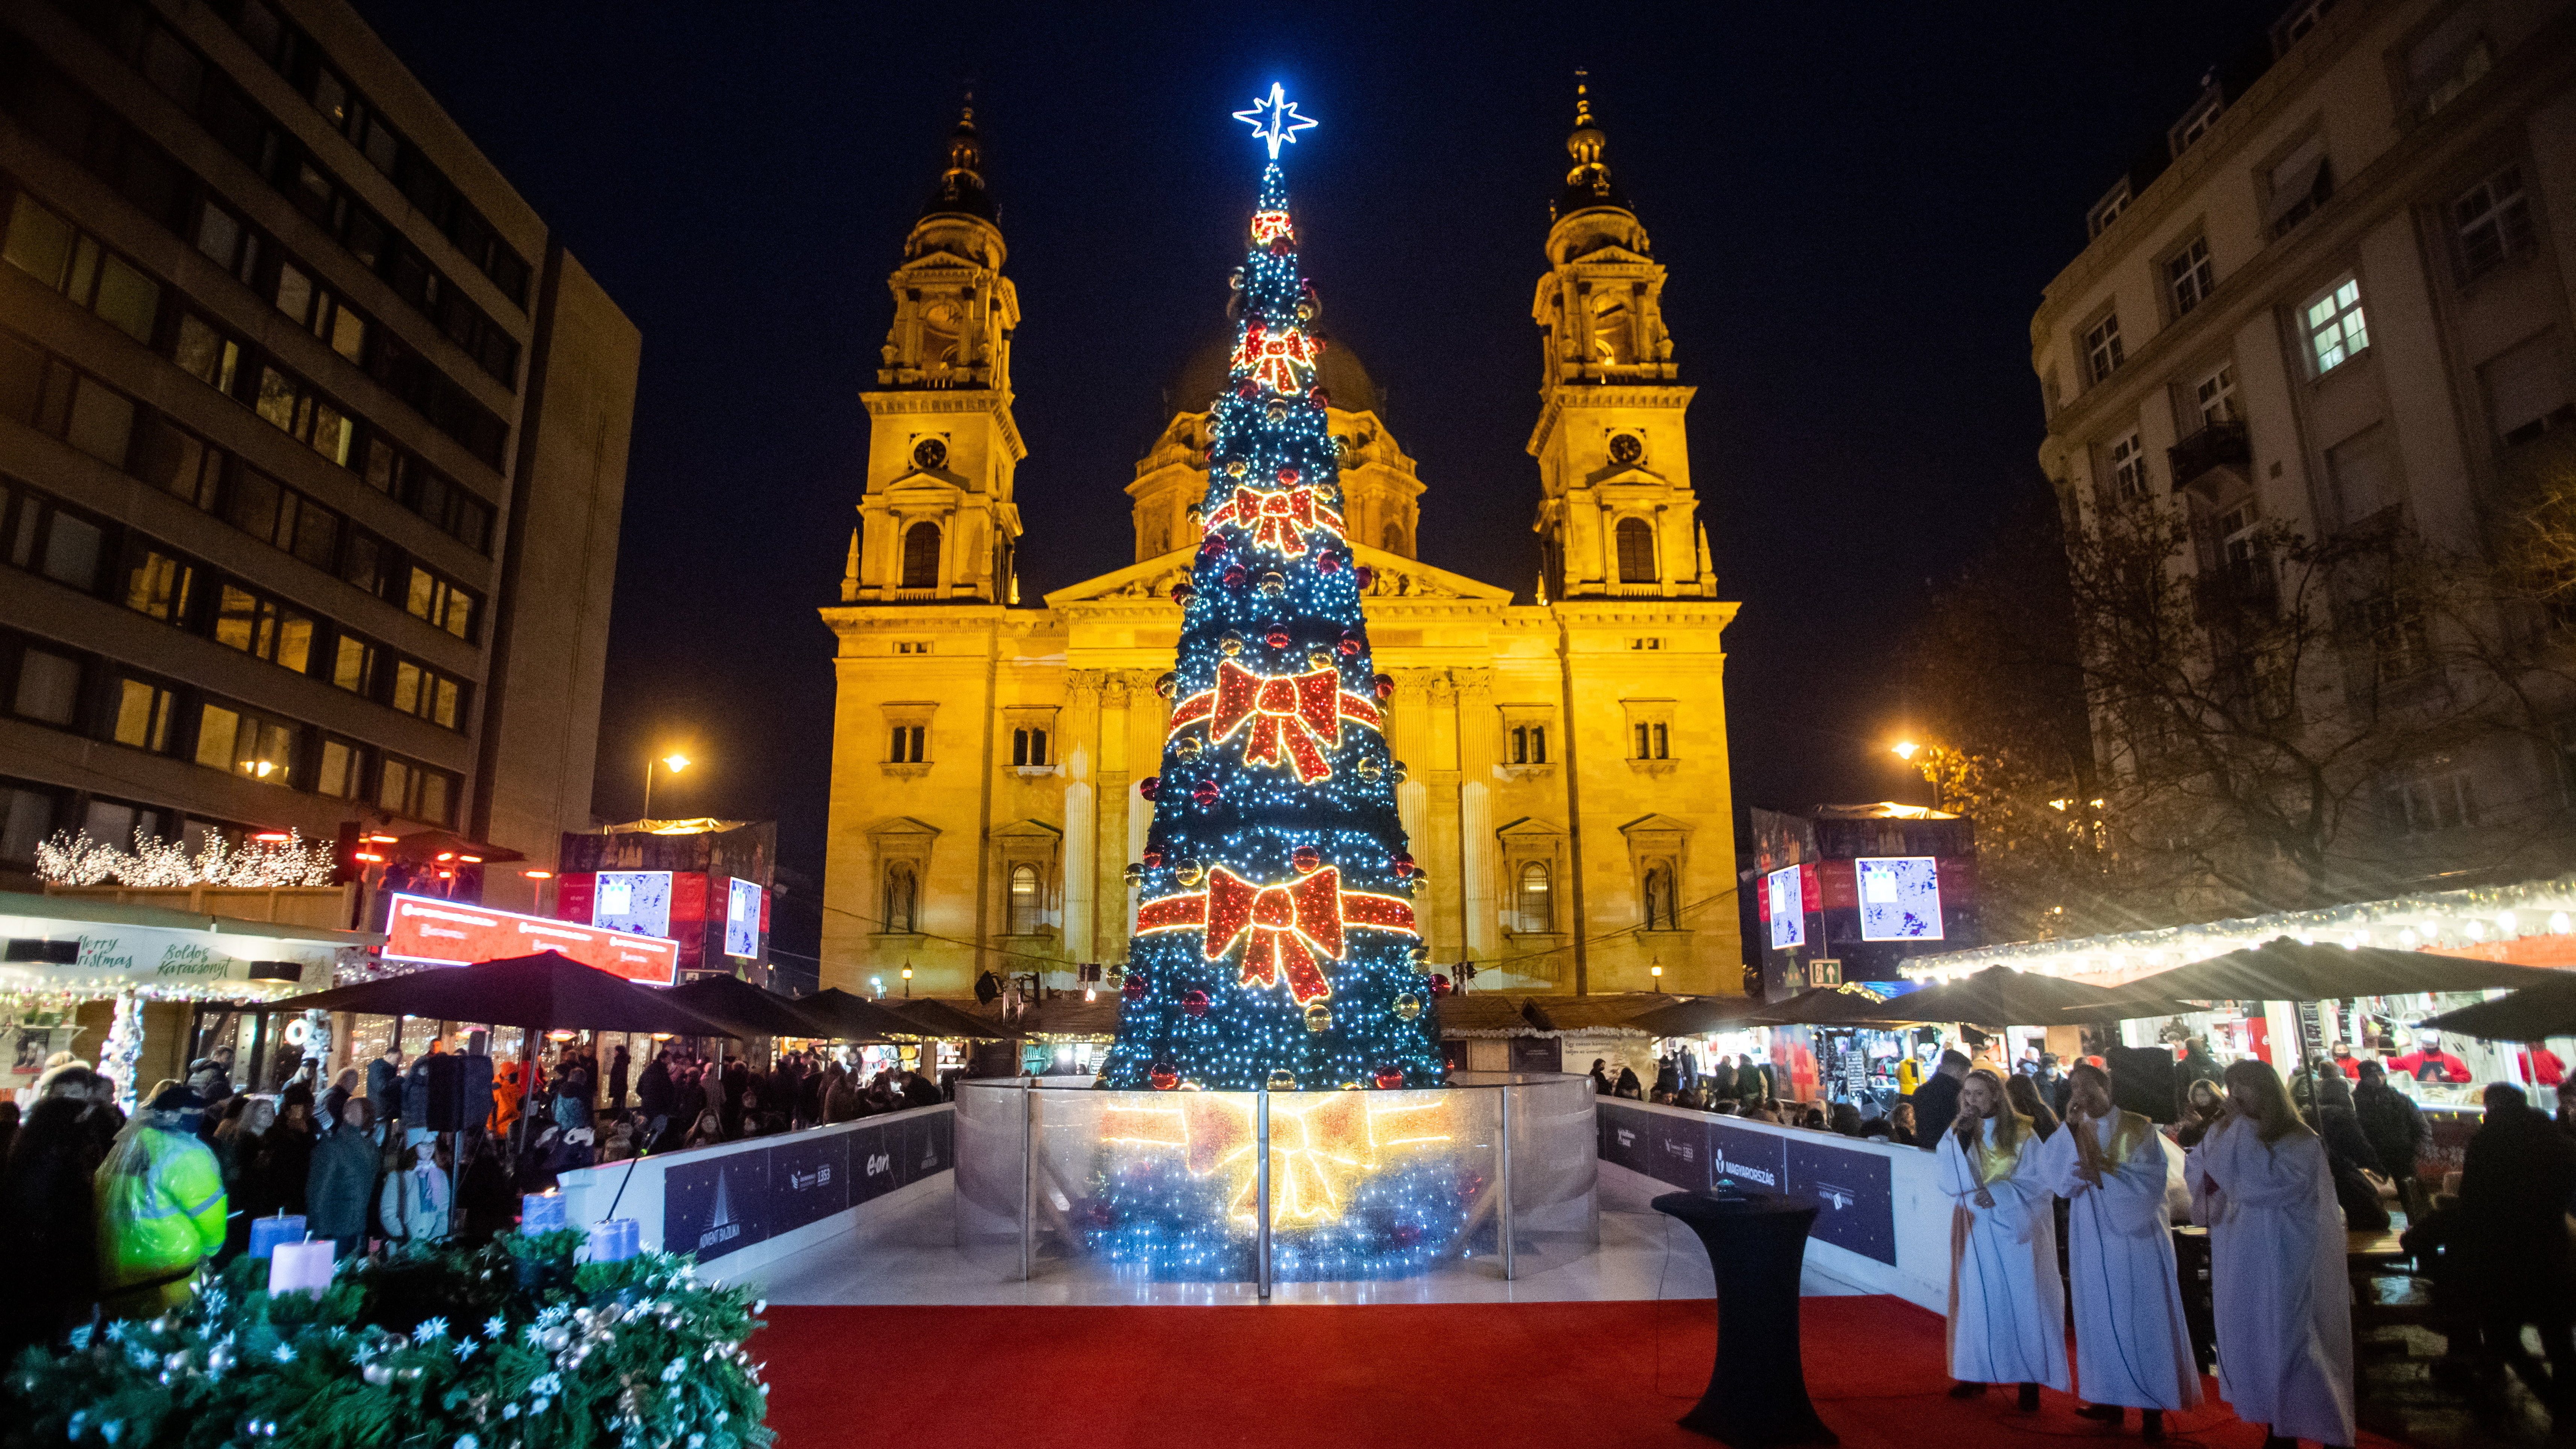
(1536, 914)
(1393, 539)
(902, 899)
(921, 556)
(1660, 914)
(1026, 903)
(1636, 551)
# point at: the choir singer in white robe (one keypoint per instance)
(2132, 1347)
(2007, 1306)
(2276, 1264)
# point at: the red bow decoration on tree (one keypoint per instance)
(1278, 518)
(1288, 924)
(1292, 715)
(1279, 360)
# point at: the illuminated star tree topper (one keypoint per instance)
(1274, 119)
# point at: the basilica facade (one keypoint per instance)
(1566, 781)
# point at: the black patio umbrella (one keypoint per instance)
(748, 1009)
(2534, 1013)
(2001, 996)
(1822, 1006)
(934, 1018)
(542, 992)
(855, 1018)
(1694, 1015)
(2282, 969)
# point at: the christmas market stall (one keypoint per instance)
(2373, 981)
(130, 987)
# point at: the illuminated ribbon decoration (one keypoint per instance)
(1293, 717)
(1287, 925)
(1278, 360)
(1277, 518)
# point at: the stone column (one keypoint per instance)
(1408, 739)
(1479, 735)
(1081, 837)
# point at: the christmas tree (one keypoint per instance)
(1275, 945)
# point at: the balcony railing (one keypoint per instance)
(2219, 445)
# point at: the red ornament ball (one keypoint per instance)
(1307, 859)
(1287, 472)
(1211, 546)
(1319, 397)
(1384, 684)
(1182, 594)
(1148, 788)
(1403, 862)
(1134, 988)
(1166, 683)
(1278, 639)
(1390, 1078)
(1364, 575)
(1194, 1002)
(1327, 563)
(1163, 1077)
(1440, 984)
(1245, 389)
(1152, 857)
(1234, 576)
(1207, 793)
(1351, 645)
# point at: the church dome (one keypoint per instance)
(1201, 378)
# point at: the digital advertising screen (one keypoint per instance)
(632, 900)
(1788, 909)
(742, 918)
(434, 932)
(1900, 898)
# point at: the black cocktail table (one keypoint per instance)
(1757, 1393)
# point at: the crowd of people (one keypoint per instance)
(106, 1211)
(2067, 1181)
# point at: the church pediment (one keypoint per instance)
(1393, 577)
(1655, 827)
(1530, 827)
(1029, 829)
(902, 826)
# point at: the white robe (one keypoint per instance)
(2277, 1281)
(2007, 1307)
(2132, 1346)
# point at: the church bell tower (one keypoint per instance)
(1617, 517)
(938, 521)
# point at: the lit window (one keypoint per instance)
(2336, 331)
(2102, 350)
(143, 715)
(1026, 902)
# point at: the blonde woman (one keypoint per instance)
(2007, 1305)
(2132, 1347)
(2259, 1180)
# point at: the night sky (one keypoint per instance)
(1858, 204)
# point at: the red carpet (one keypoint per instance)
(1476, 1376)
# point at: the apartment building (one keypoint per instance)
(312, 443)
(2333, 304)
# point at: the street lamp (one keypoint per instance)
(1657, 971)
(907, 980)
(674, 762)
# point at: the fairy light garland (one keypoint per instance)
(1277, 947)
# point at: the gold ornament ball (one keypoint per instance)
(1408, 1006)
(1190, 872)
(1319, 1018)
(1320, 659)
(1283, 1080)
(1231, 644)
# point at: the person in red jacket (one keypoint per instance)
(2429, 1063)
(2540, 1065)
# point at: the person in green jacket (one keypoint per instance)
(160, 1208)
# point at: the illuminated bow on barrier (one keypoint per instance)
(1288, 924)
(1293, 716)
(1279, 360)
(1277, 518)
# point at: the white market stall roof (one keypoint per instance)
(61, 945)
(2502, 923)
